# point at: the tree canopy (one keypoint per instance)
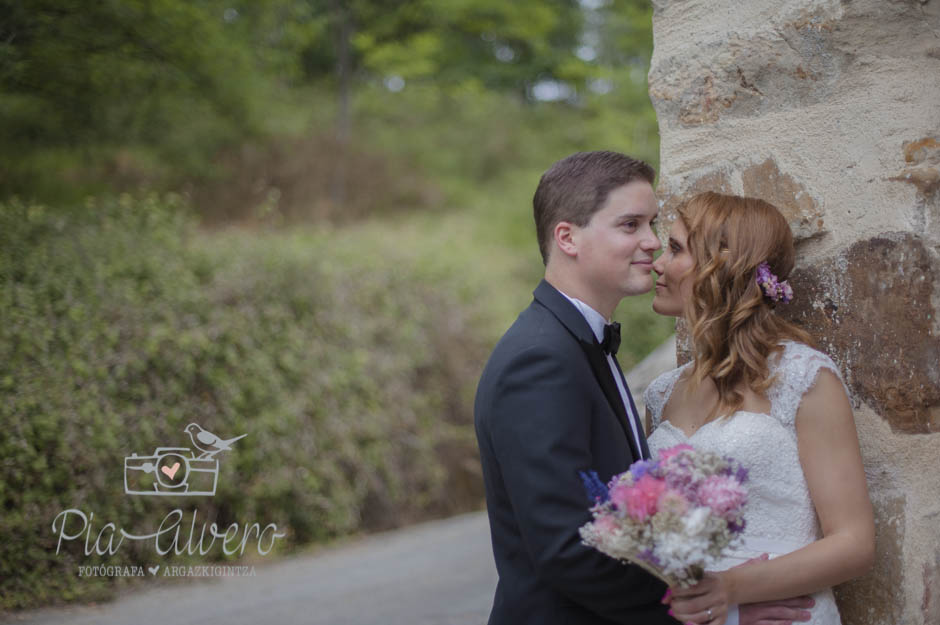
(184, 77)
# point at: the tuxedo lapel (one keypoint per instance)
(644, 447)
(564, 310)
(575, 322)
(602, 372)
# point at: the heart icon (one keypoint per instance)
(171, 471)
(153, 569)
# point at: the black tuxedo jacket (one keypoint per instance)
(546, 408)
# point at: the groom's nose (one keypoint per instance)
(651, 242)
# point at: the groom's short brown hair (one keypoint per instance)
(576, 187)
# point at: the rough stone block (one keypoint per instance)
(762, 180)
(670, 198)
(922, 158)
(872, 310)
(789, 62)
(767, 182)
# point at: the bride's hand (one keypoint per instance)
(706, 603)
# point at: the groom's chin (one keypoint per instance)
(638, 288)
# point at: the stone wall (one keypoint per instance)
(831, 111)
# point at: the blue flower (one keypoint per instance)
(596, 490)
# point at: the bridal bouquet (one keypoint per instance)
(673, 516)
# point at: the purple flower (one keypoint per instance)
(647, 555)
(774, 290)
(723, 494)
(640, 468)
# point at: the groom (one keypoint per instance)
(553, 402)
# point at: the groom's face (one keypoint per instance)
(615, 248)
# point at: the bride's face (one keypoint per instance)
(674, 286)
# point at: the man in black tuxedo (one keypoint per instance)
(552, 401)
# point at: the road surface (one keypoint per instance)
(437, 573)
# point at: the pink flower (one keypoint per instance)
(666, 454)
(674, 500)
(639, 500)
(605, 524)
(722, 493)
(619, 495)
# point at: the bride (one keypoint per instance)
(758, 392)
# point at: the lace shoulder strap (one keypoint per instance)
(796, 371)
(657, 393)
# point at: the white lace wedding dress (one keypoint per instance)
(780, 516)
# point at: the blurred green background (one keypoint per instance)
(304, 220)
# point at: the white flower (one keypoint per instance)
(678, 550)
(695, 521)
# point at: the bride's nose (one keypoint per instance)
(658, 265)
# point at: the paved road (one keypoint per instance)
(438, 573)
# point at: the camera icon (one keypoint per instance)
(170, 471)
(178, 470)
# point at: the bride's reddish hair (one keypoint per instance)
(733, 326)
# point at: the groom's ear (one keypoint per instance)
(566, 239)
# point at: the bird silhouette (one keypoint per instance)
(207, 442)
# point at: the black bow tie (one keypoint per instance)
(611, 342)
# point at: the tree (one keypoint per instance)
(74, 71)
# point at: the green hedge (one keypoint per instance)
(349, 362)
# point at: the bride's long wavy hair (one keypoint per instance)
(733, 326)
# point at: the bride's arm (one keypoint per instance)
(832, 465)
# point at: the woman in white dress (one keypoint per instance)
(758, 392)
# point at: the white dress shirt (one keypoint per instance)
(597, 322)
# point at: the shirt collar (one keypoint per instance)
(594, 318)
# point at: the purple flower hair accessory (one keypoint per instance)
(773, 289)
